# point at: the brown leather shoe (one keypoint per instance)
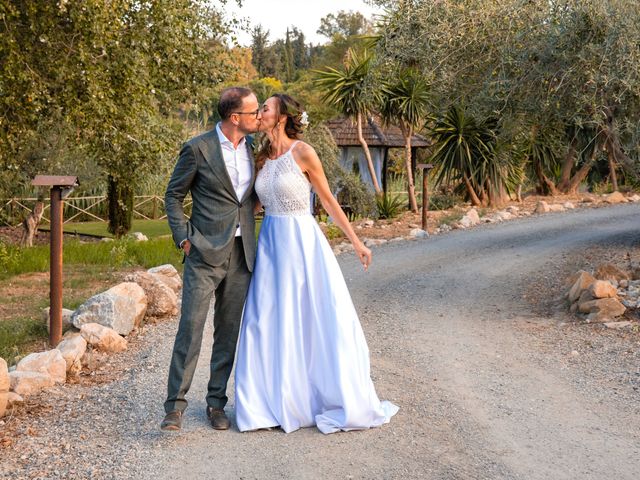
(218, 418)
(172, 421)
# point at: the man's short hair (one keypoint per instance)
(231, 100)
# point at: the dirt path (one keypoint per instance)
(487, 389)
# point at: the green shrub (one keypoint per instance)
(333, 231)
(442, 201)
(388, 206)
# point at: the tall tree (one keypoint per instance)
(345, 89)
(114, 71)
(405, 101)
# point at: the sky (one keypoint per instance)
(277, 15)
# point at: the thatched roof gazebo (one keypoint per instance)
(380, 140)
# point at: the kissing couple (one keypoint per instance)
(302, 356)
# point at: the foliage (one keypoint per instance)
(348, 187)
(332, 232)
(443, 201)
(389, 206)
(111, 73)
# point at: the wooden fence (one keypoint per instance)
(83, 209)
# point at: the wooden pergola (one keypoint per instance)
(379, 139)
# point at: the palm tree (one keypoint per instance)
(405, 101)
(465, 150)
(345, 90)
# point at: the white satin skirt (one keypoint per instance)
(302, 356)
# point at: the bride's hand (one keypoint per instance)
(364, 254)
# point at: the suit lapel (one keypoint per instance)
(212, 152)
(249, 145)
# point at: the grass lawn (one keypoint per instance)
(151, 228)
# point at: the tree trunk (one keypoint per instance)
(408, 133)
(567, 166)
(546, 185)
(612, 169)
(367, 154)
(472, 194)
(120, 198)
(581, 174)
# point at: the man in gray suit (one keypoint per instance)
(219, 249)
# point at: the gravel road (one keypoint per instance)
(487, 382)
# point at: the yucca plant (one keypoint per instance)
(345, 90)
(464, 151)
(388, 206)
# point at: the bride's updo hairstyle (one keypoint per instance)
(293, 126)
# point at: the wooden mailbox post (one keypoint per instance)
(61, 186)
(425, 194)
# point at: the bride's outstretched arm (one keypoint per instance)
(310, 164)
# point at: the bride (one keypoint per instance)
(302, 356)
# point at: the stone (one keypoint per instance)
(139, 237)
(556, 207)
(26, 383)
(584, 281)
(103, 338)
(66, 318)
(568, 205)
(13, 399)
(603, 289)
(418, 233)
(49, 362)
(471, 217)
(121, 308)
(169, 275)
(617, 325)
(613, 198)
(4, 400)
(513, 209)
(4, 376)
(106, 239)
(502, 215)
(72, 350)
(368, 223)
(413, 225)
(161, 299)
(607, 271)
(542, 207)
(396, 240)
(635, 198)
(605, 309)
(583, 303)
(623, 283)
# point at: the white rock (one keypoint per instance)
(50, 362)
(139, 237)
(575, 353)
(473, 216)
(542, 207)
(14, 399)
(4, 376)
(396, 239)
(368, 223)
(502, 215)
(106, 239)
(513, 209)
(120, 308)
(556, 207)
(568, 205)
(103, 338)
(418, 233)
(72, 350)
(4, 400)
(169, 275)
(624, 283)
(27, 383)
(635, 198)
(66, 317)
(161, 299)
(615, 197)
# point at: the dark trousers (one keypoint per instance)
(230, 282)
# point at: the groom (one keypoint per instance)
(219, 249)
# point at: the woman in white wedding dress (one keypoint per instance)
(302, 356)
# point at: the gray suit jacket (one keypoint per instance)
(216, 210)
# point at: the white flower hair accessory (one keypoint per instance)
(304, 119)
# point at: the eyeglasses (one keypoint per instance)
(254, 113)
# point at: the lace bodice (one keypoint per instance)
(282, 187)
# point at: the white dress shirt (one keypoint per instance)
(238, 165)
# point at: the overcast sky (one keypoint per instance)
(277, 15)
